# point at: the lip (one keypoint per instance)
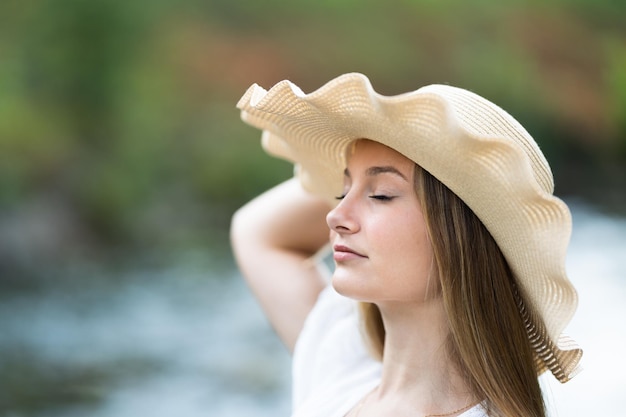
(343, 253)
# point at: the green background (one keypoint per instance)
(122, 113)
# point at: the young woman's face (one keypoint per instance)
(380, 245)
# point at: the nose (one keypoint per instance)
(342, 218)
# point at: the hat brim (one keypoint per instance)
(469, 144)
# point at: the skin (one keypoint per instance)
(381, 247)
(382, 255)
(380, 218)
(262, 237)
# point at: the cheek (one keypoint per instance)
(407, 249)
(407, 235)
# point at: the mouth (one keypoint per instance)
(343, 253)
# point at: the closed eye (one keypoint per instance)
(381, 197)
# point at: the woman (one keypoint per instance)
(446, 234)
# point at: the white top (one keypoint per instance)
(332, 370)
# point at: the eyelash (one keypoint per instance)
(375, 197)
(381, 197)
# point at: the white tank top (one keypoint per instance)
(332, 370)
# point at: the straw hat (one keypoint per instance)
(472, 146)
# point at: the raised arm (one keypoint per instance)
(274, 237)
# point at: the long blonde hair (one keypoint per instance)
(488, 340)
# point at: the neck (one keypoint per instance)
(416, 364)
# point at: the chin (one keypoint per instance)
(349, 287)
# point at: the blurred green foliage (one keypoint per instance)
(125, 110)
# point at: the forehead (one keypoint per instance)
(371, 153)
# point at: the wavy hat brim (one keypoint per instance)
(468, 143)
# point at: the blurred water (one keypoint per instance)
(174, 343)
(182, 342)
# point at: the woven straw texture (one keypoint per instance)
(472, 146)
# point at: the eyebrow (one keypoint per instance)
(377, 170)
